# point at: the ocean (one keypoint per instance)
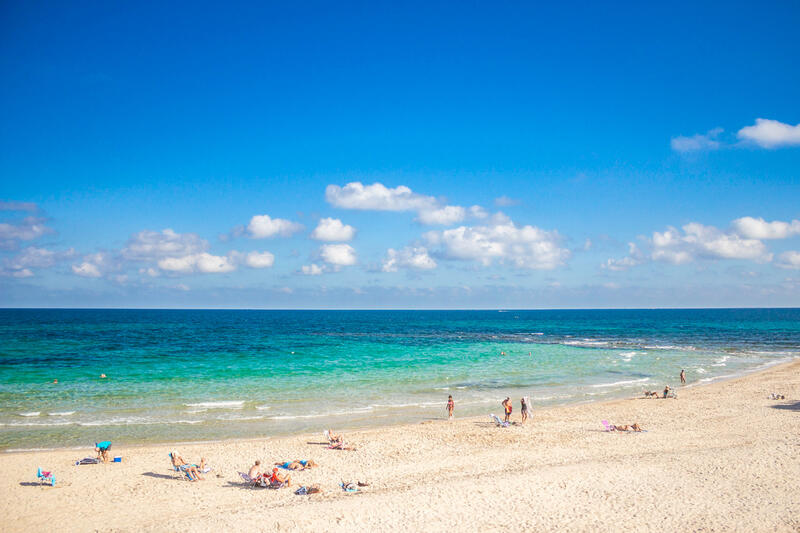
(193, 375)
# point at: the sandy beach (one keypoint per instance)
(722, 457)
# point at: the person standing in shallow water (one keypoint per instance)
(450, 406)
(683, 377)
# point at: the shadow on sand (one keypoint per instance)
(788, 406)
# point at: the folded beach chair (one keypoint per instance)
(46, 478)
(498, 422)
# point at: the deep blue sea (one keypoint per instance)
(178, 375)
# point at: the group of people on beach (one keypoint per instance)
(507, 408)
(275, 477)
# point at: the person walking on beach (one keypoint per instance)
(507, 406)
(450, 406)
(683, 377)
(524, 409)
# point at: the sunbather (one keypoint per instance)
(636, 427)
(192, 470)
(650, 394)
(333, 438)
(297, 465)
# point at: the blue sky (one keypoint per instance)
(430, 155)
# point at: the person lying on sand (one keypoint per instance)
(192, 469)
(650, 394)
(277, 478)
(634, 427)
(297, 465)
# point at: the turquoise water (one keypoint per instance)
(200, 375)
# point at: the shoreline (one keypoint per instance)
(720, 457)
(377, 427)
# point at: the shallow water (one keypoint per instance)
(195, 375)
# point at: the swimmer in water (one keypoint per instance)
(102, 376)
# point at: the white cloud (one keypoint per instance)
(697, 143)
(768, 133)
(264, 226)
(758, 228)
(32, 257)
(634, 257)
(24, 273)
(27, 229)
(338, 254)
(789, 260)
(202, 262)
(312, 270)
(409, 257)
(332, 229)
(524, 247)
(443, 216)
(153, 245)
(708, 242)
(260, 260)
(95, 265)
(378, 197)
(87, 270)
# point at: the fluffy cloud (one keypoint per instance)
(27, 229)
(153, 245)
(332, 229)
(264, 226)
(409, 257)
(443, 216)
(86, 270)
(708, 242)
(338, 254)
(95, 265)
(758, 228)
(202, 262)
(697, 143)
(790, 259)
(259, 259)
(524, 247)
(768, 133)
(634, 257)
(32, 257)
(378, 197)
(312, 270)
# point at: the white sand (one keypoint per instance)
(722, 457)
